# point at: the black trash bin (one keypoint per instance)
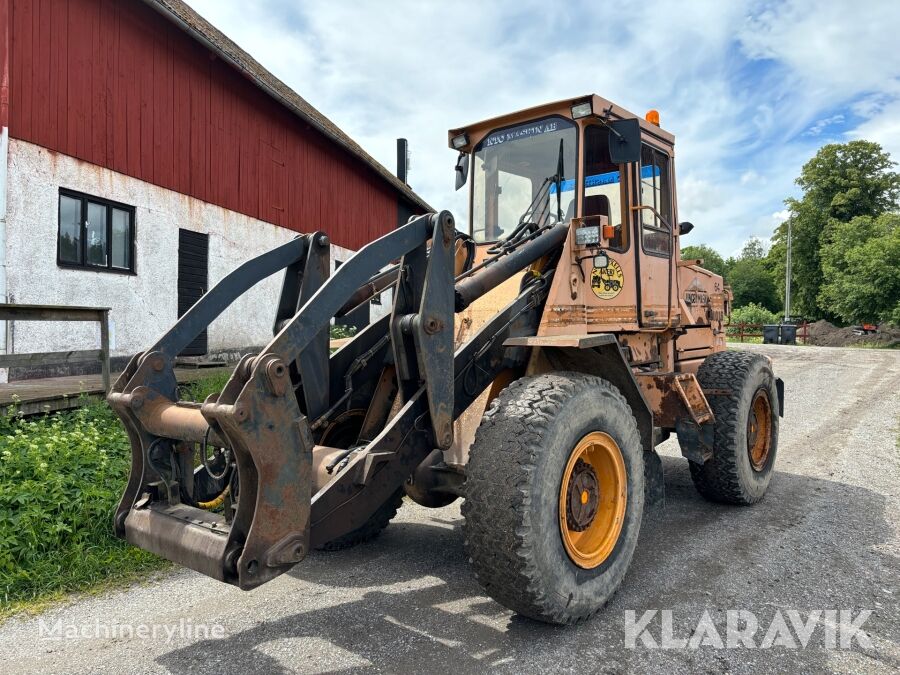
(770, 334)
(788, 334)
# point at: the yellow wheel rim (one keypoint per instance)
(592, 498)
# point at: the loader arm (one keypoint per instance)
(267, 417)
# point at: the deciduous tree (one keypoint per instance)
(842, 182)
(861, 270)
(712, 261)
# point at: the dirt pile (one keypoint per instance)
(826, 334)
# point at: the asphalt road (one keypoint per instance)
(827, 537)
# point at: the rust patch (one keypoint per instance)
(674, 396)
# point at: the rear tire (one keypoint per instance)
(370, 529)
(525, 527)
(742, 394)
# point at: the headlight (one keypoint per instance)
(461, 141)
(580, 110)
(588, 235)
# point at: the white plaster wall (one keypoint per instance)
(145, 305)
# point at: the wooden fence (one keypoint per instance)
(741, 331)
(59, 313)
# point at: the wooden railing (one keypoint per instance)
(59, 313)
(741, 331)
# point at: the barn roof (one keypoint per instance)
(201, 29)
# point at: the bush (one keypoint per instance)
(752, 314)
(61, 477)
(339, 332)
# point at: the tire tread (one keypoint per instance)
(500, 538)
(718, 478)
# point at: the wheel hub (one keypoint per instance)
(759, 430)
(593, 494)
(583, 497)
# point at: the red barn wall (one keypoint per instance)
(114, 83)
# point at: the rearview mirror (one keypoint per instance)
(624, 141)
(462, 169)
(684, 228)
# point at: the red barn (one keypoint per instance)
(146, 155)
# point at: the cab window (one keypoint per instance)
(514, 168)
(655, 192)
(603, 184)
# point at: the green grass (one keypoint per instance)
(876, 345)
(200, 389)
(61, 477)
(747, 340)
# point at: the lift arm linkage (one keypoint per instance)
(257, 416)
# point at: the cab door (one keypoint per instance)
(654, 217)
(611, 303)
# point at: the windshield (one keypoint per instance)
(515, 176)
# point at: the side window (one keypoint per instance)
(655, 192)
(95, 233)
(603, 184)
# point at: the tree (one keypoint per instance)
(751, 282)
(752, 314)
(748, 275)
(861, 270)
(753, 249)
(842, 182)
(712, 261)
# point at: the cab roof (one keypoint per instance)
(600, 106)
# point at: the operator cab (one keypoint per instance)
(608, 173)
(566, 160)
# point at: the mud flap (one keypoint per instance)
(696, 440)
(779, 387)
(654, 483)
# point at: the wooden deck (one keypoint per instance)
(50, 394)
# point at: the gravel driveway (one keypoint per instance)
(826, 538)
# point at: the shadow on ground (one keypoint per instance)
(811, 544)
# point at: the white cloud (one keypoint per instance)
(823, 124)
(751, 177)
(830, 50)
(884, 128)
(779, 217)
(738, 83)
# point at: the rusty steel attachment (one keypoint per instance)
(273, 486)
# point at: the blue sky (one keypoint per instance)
(750, 89)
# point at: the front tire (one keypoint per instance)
(554, 496)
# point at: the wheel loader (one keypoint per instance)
(530, 364)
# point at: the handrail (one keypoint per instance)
(22, 312)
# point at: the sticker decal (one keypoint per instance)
(607, 282)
